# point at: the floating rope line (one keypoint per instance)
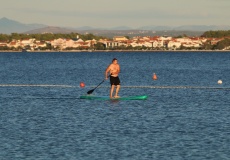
(170, 87)
(151, 87)
(34, 85)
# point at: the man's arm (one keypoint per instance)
(118, 69)
(106, 72)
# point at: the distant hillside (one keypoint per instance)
(186, 28)
(133, 33)
(50, 29)
(8, 26)
(112, 33)
(126, 31)
(202, 27)
(163, 28)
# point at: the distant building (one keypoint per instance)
(174, 44)
(120, 38)
(3, 43)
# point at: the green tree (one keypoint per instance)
(127, 37)
(216, 34)
(4, 37)
(99, 46)
(129, 47)
(223, 44)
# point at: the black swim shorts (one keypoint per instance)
(114, 80)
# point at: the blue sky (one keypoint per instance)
(112, 13)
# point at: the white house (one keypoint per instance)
(58, 43)
(190, 44)
(174, 44)
(3, 43)
(165, 38)
(14, 44)
(26, 42)
(119, 38)
(40, 44)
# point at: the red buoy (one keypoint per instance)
(82, 84)
(154, 76)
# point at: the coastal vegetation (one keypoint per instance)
(216, 34)
(47, 36)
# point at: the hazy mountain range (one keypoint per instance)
(8, 26)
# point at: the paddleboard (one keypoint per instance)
(93, 97)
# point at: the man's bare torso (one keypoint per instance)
(114, 69)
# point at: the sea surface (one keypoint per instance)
(186, 116)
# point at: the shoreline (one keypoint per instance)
(116, 51)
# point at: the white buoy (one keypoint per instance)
(220, 82)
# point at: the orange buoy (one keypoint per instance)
(82, 85)
(154, 76)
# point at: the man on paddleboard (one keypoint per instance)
(113, 69)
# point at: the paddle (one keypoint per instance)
(91, 91)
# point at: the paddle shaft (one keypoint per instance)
(91, 91)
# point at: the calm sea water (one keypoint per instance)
(187, 114)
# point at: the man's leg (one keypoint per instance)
(111, 91)
(117, 91)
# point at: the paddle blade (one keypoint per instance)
(90, 91)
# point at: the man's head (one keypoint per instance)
(114, 60)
